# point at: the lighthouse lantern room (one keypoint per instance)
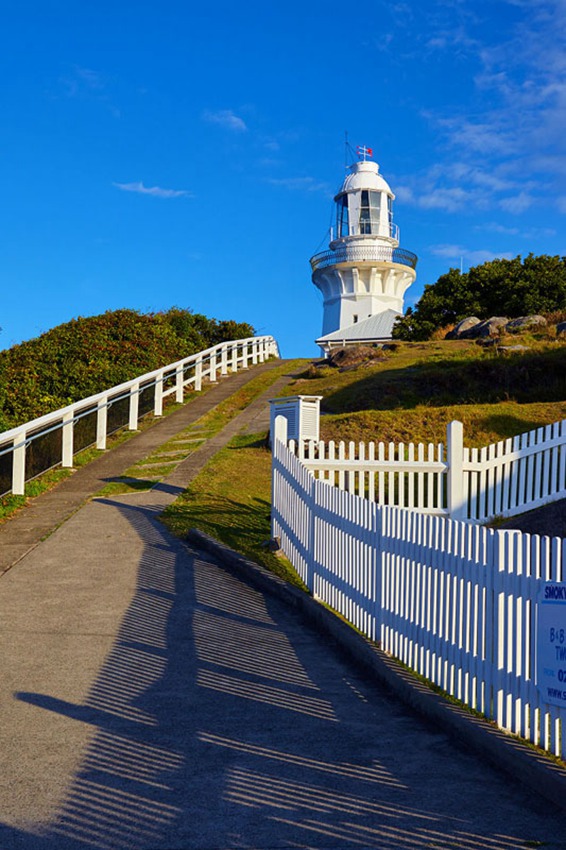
(364, 273)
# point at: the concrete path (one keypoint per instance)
(151, 699)
(41, 516)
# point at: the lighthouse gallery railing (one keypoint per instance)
(363, 254)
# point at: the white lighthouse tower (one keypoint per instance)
(364, 273)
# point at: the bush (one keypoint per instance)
(87, 355)
(498, 288)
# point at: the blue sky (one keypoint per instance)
(181, 153)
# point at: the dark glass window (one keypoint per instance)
(365, 219)
(375, 210)
(342, 221)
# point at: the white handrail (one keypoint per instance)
(210, 363)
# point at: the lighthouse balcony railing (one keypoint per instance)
(363, 254)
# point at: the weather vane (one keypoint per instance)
(364, 152)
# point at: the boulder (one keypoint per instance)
(487, 328)
(461, 327)
(524, 322)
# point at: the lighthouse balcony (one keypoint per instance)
(363, 254)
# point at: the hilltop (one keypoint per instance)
(405, 393)
(90, 354)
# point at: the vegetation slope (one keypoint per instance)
(406, 394)
(87, 355)
(500, 287)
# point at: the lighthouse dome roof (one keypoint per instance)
(364, 175)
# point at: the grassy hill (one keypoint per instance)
(87, 355)
(407, 393)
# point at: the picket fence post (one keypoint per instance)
(279, 436)
(455, 477)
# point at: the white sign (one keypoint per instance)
(551, 643)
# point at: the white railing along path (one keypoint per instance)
(173, 379)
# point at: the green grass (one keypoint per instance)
(440, 374)
(391, 400)
(10, 504)
(148, 471)
(416, 390)
(231, 501)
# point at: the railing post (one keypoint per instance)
(254, 353)
(279, 436)
(245, 355)
(179, 394)
(224, 360)
(235, 357)
(134, 407)
(158, 400)
(19, 465)
(198, 375)
(261, 351)
(455, 479)
(212, 373)
(101, 422)
(67, 435)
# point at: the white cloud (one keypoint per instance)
(227, 119)
(469, 257)
(429, 195)
(517, 203)
(155, 191)
(506, 134)
(302, 184)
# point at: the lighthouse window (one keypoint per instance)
(370, 211)
(365, 221)
(342, 223)
(375, 210)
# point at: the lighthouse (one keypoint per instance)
(364, 274)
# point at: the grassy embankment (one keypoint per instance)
(150, 470)
(408, 395)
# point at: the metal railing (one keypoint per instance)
(363, 254)
(53, 439)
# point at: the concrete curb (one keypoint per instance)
(504, 752)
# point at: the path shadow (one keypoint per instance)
(221, 722)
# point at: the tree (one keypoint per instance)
(497, 288)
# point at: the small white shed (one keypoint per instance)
(302, 413)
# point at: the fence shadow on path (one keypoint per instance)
(222, 722)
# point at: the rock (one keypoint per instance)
(560, 328)
(524, 322)
(273, 545)
(513, 349)
(461, 327)
(355, 355)
(487, 328)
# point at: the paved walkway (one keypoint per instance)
(41, 516)
(151, 699)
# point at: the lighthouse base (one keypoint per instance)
(374, 329)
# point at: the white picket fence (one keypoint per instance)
(454, 601)
(503, 479)
(17, 444)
